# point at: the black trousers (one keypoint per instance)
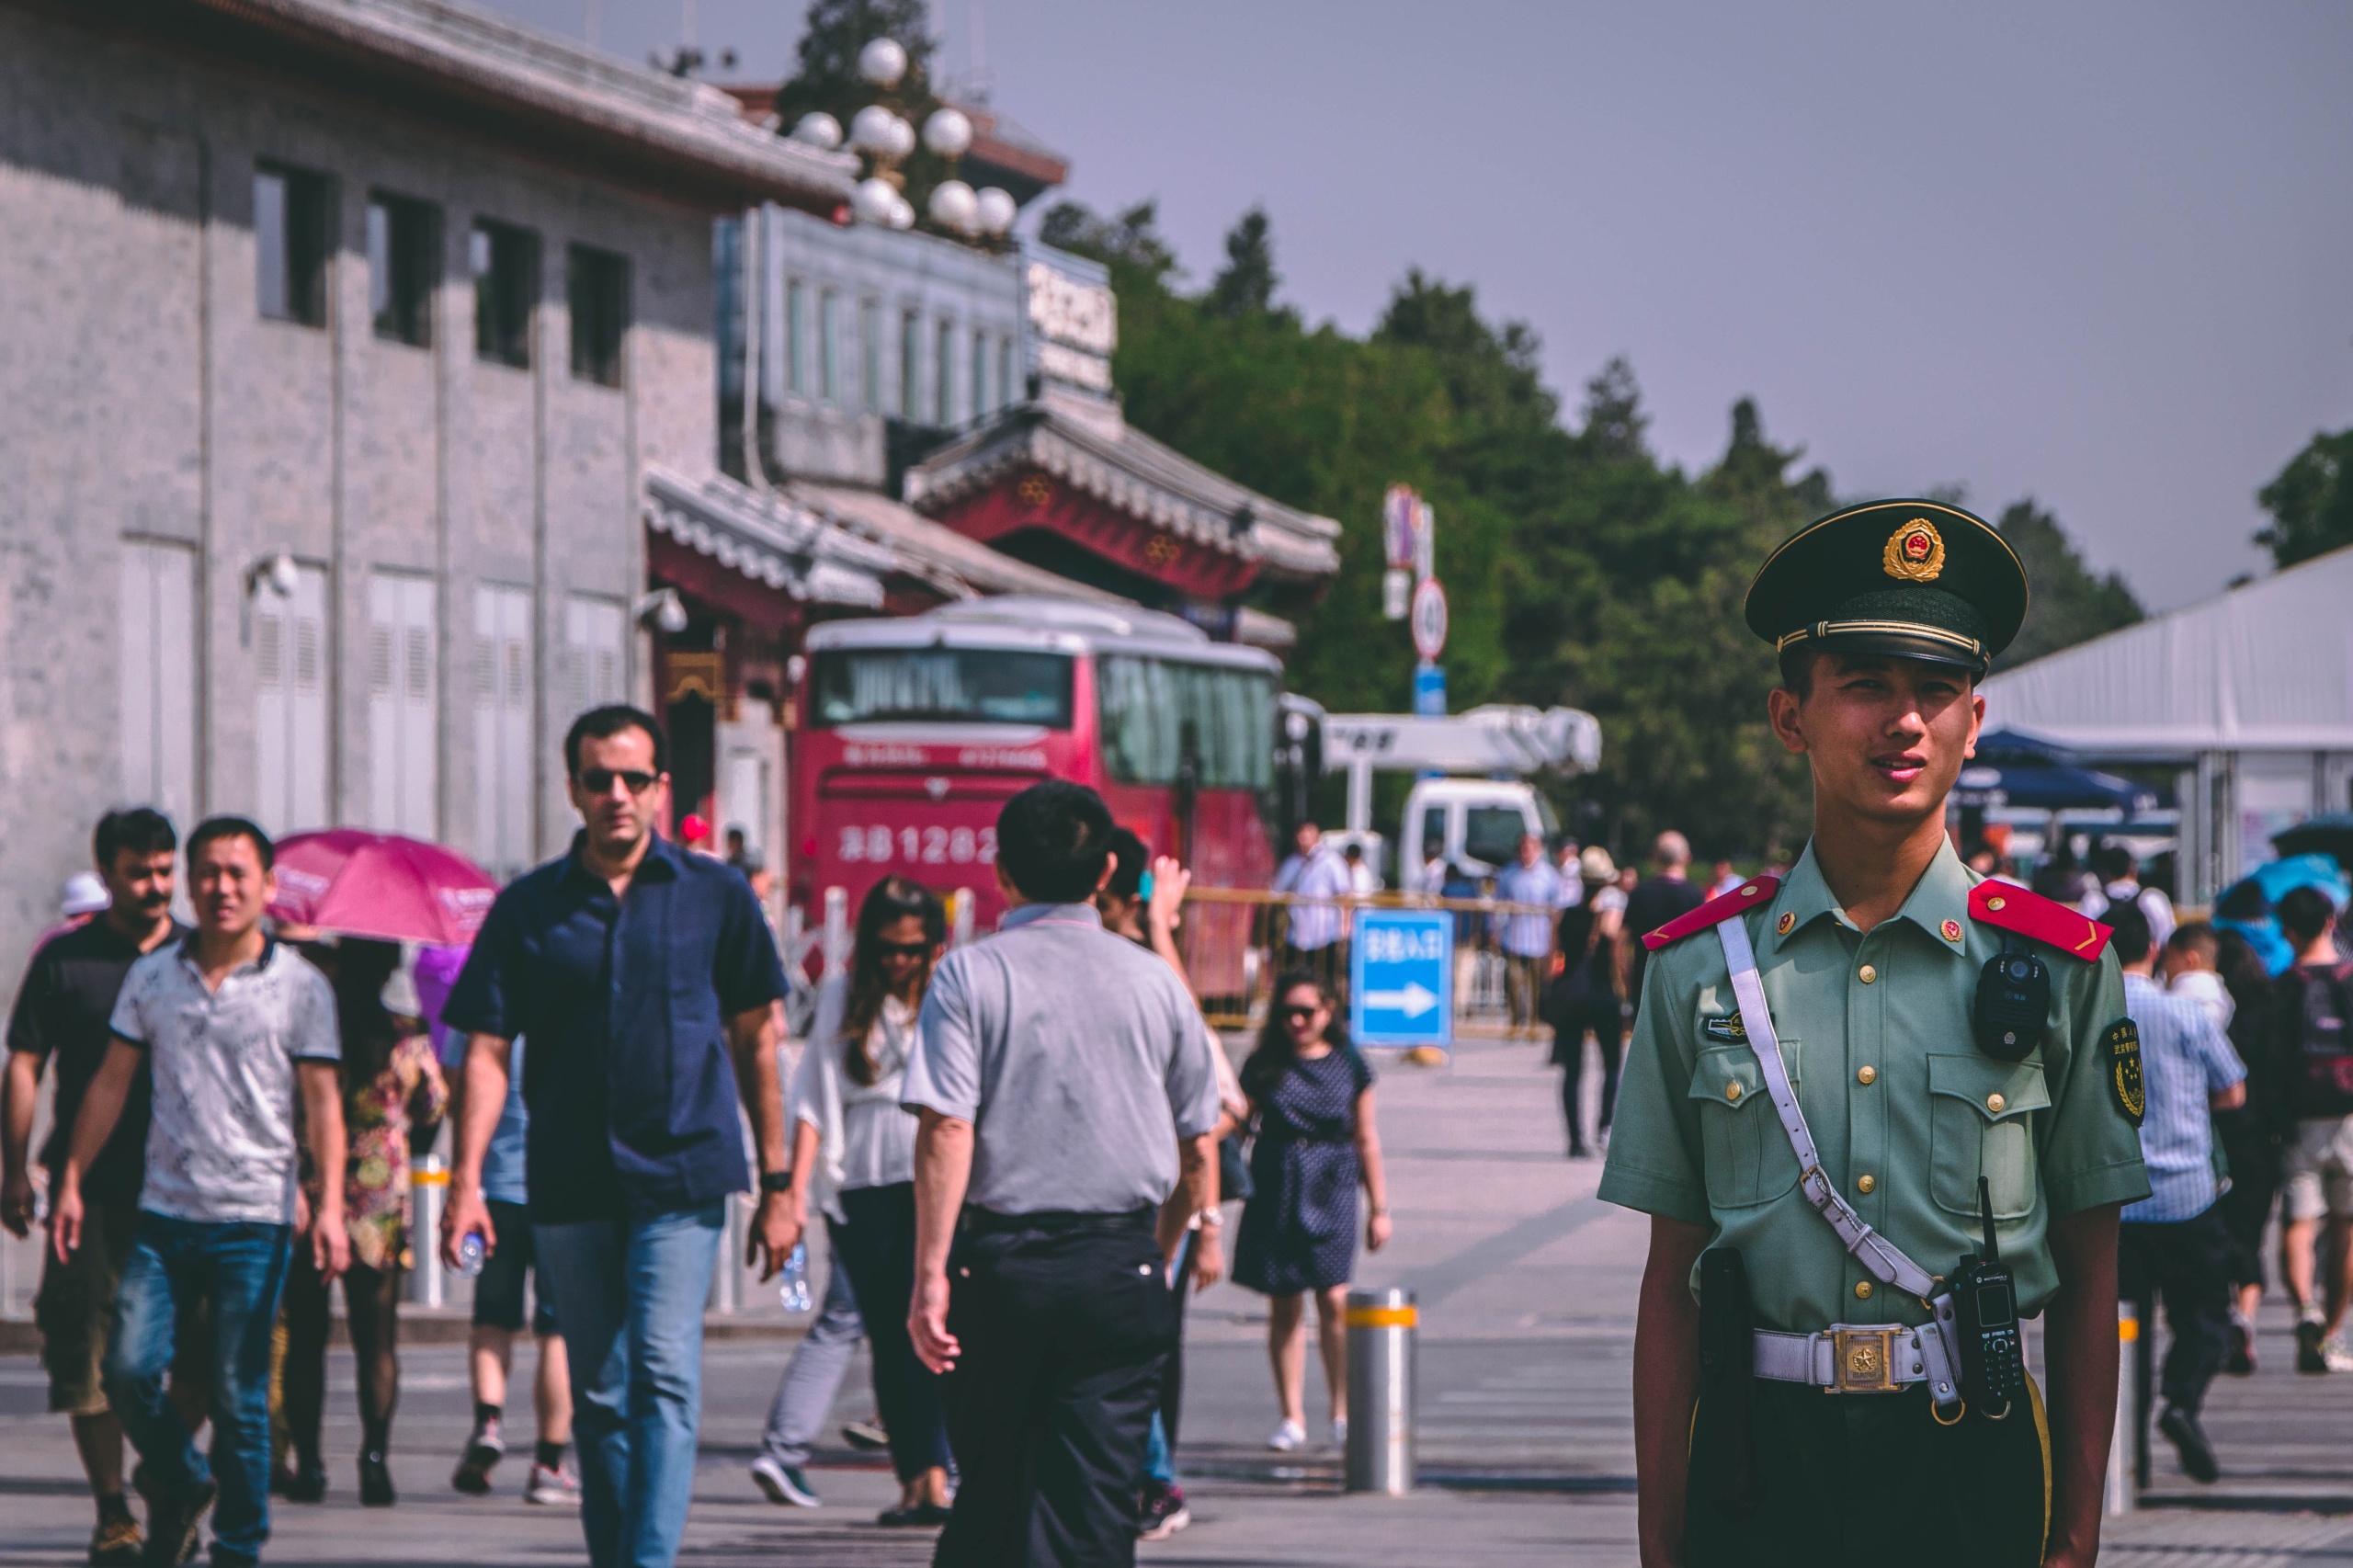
(877, 1245)
(1064, 1323)
(2253, 1151)
(2187, 1263)
(1864, 1480)
(1609, 1026)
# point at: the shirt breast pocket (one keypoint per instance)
(1743, 1148)
(1980, 1123)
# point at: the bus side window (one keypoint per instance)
(1434, 833)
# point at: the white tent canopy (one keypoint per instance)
(2251, 694)
(2265, 667)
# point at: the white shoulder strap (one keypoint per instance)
(1874, 1251)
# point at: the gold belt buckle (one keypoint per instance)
(1863, 1360)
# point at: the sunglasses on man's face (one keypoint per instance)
(599, 780)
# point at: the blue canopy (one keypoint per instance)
(2011, 769)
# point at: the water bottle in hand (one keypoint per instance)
(471, 1253)
(795, 1287)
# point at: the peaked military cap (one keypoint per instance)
(1907, 579)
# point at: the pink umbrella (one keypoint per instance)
(381, 885)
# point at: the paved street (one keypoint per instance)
(1528, 1288)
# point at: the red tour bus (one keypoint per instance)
(914, 731)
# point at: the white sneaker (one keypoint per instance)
(1339, 1431)
(2333, 1351)
(1289, 1438)
(784, 1484)
(552, 1486)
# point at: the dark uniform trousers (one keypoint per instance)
(2188, 1262)
(1871, 1479)
(1065, 1322)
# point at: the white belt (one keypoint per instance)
(1850, 1358)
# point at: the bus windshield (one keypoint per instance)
(993, 686)
(1155, 710)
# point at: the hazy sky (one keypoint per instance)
(2100, 253)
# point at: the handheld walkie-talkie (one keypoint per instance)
(1986, 1302)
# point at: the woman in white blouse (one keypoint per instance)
(853, 1158)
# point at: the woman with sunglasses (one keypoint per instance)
(1310, 1106)
(856, 1148)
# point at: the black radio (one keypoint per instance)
(1986, 1302)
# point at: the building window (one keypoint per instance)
(910, 363)
(869, 357)
(796, 379)
(403, 265)
(404, 706)
(506, 262)
(943, 374)
(596, 286)
(980, 374)
(829, 382)
(293, 234)
(156, 646)
(502, 682)
(595, 641)
(1008, 385)
(291, 703)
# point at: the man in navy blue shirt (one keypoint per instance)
(633, 971)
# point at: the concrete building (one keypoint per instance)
(340, 338)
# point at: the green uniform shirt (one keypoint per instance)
(1906, 1111)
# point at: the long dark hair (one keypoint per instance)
(1275, 1054)
(889, 901)
(362, 965)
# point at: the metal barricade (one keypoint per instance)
(1234, 943)
(1381, 1327)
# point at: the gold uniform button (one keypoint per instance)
(1862, 1290)
(1867, 974)
(1994, 1104)
(1732, 1091)
(1867, 1077)
(1996, 903)
(1865, 1183)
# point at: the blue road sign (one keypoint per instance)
(1430, 691)
(1401, 977)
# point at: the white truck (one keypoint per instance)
(1474, 823)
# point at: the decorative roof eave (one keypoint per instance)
(956, 566)
(1126, 469)
(542, 89)
(767, 539)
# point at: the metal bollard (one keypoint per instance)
(962, 912)
(428, 1184)
(838, 941)
(2122, 1464)
(1381, 1391)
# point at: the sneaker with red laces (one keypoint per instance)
(1163, 1514)
(484, 1449)
(552, 1485)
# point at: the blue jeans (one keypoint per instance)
(633, 1291)
(241, 1268)
(804, 1396)
(1159, 1464)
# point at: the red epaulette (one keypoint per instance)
(1750, 894)
(2012, 908)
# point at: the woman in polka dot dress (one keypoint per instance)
(1310, 1106)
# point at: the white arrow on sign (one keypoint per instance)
(1413, 1001)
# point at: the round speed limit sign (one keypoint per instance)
(1428, 620)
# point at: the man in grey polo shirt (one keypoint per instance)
(1051, 1065)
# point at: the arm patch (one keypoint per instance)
(2123, 1041)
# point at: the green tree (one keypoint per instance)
(1129, 242)
(2067, 603)
(1245, 285)
(2311, 502)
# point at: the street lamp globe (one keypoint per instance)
(997, 209)
(819, 129)
(882, 62)
(947, 132)
(953, 206)
(872, 201)
(875, 130)
(902, 211)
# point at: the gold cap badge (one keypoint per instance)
(1914, 552)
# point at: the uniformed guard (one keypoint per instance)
(1879, 1112)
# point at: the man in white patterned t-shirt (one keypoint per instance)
(233, 1026)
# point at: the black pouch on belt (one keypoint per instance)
(1728, 1384)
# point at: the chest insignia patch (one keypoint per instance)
(2122, 1039)
(1728, 1028)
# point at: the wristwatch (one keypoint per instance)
(1209, 1218)
(776, 1181)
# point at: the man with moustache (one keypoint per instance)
(1821, 1376)
(62, 1010)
